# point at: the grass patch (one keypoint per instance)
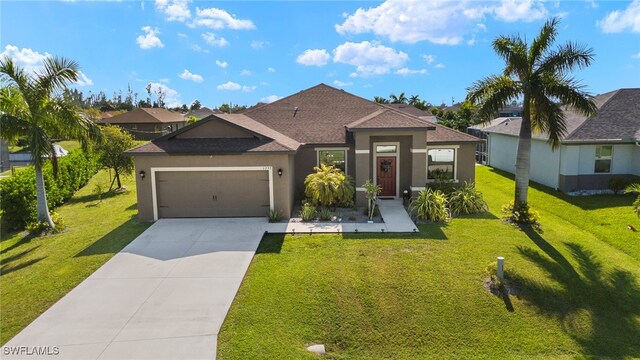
(37, 271)
(422, 295)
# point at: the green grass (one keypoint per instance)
(69, 145)
(422, 295)
(37, 271)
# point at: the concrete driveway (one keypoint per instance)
(164, 296)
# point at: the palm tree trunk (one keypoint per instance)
(523, 159)
(41, 198)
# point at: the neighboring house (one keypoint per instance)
(23, 157)
(5, 163)
(593, 150)
(147, 123)
(201, 113)
(245, 164)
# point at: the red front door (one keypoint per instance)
(386, 175)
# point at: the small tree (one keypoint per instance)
(196, 105)
(371, 191)
(111, 150)
(329, 186)
(634, 188)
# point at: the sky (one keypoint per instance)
(244, 52)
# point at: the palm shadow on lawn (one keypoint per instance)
(611, 300)
(116, 239)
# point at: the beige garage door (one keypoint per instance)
(194, 194)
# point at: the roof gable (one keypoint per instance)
(215, 128)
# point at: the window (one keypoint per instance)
(441, 164)
(386, 149)
(337, 158)
(603, 158)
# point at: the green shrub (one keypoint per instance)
(329, 186)
(274, 215)
(443, 181)
(467, 200)
(308, 212)
(18, 192)
(325, 214)
(40, 227)
(371, 192)
(430, 205)
(618, 183)
(526, 215)
(634, 188)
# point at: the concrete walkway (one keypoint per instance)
(164, 296)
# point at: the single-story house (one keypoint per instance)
(201, 113)
(245, 164)
(594, 149)
(147, 123)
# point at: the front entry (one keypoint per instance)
(386, 175)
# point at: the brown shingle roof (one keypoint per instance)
(259, 128)
(389, 119)
(144, 116)
(205, 146)
(443, 134)
(409, 109)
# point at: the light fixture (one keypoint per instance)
(280, 172)
(142, 174)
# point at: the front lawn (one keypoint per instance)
(422, 296)
(37, 272)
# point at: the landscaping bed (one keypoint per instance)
(340, 215)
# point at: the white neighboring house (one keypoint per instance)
(593, 151)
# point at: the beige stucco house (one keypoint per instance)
(245, 164)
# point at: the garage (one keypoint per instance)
(211, 192)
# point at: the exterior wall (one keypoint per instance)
(281, 185)
(215, 129)
(545, 163)
(466, 163)
(307, 158)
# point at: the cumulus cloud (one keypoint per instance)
(339, 83)
(369, 58)
(429, 58)
(83, 80)
(622, 20)
(259, 44)
(175, 10)
(187, 75)
(172, 97)
(314, 57)
(406, 72)
(150, 38)
(439, 22)
(246, 72)
(271, 70)
(220, 19)
(198, 48)
(222, 64)
(28, 59)
(213, 40)
(232, 86)
(269, 99)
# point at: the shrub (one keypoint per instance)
(371, 192)
(467, 200)
(18, 192)
(430, 205)
(526, 215)
(274, 215)
(329, 186)
(634, 188)
(618, 183)
(325, 214)
(39, 227)
(308, 212)
(443, 181)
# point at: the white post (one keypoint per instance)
(500, 268)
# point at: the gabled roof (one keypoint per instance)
(202, 113)
(389, 119)
(144, 116)
(410, 109)
(617, 119)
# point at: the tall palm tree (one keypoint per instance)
(380, 100)
(414, 99)
(31, 106)
(400, 99)
(537, 74)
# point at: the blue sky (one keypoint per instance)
(249, 51)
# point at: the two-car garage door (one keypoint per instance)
(181, 194)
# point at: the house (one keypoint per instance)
(147, 123)
(245, 164)
(201, 113)
(593, 151)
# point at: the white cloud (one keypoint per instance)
(187, 75)
(314, 57)
(429, 58)
(213, 40)
(83, 80)
(150, 39)
(439, 66)
(222, 64)
(28, 59)
(182, 35)
(339, 83)
(472, 41)
(172, 97)
(198, 48)
(259, 44)
(164, 80)
(636, 56)
(369, 58)
(246, 72)
(439, 22)
(220, 19)
(232, 86)
(269, 99)
(271, 70)
(622, 20)
(142, 5)
(175, 10)
(406, 72)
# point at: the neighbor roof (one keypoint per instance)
(144, 116)
(617, 119)
(410, 109)
(202, 113)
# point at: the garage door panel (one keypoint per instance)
(212, 193)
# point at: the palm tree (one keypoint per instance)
(380, 100)
(31, 107)
(414, 99)
(400, 99)
(539, 75)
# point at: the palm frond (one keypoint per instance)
(56, 73)
(545, 38)
(570, 92)
(514, 52)
(491, 94)
(566, 58)
(547, 117)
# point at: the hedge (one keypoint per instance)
(18, 192)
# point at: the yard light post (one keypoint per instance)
(500, 268)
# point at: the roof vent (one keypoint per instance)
(295, 111)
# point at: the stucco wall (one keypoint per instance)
(281, 185)
(467, 163)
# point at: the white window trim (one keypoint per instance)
(595, 158)
(375, 167)
(154, 195)
(455, 148)
(346, 156)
